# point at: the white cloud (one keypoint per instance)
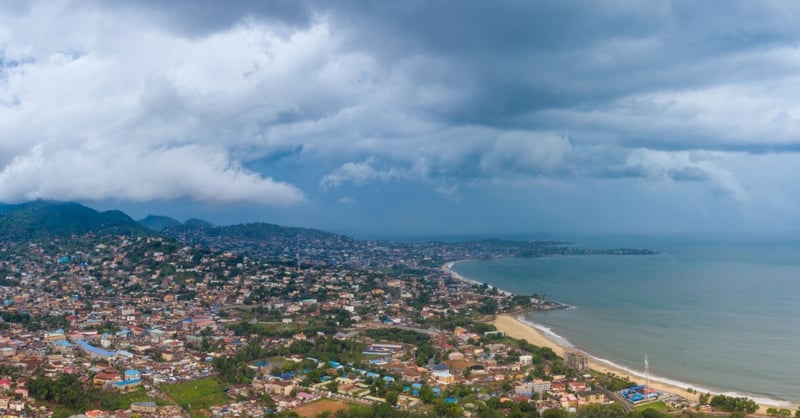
(103, 103)
(358, 173)
(134, 173)
(666, 168)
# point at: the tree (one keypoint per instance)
(605, 411)
(555, 413)
(392, 397)
(426, 394)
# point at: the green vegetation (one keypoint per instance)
(197, 396)
(65, 390)
(612, 382)
(234, 369)
(780, 413)
(45, 219)
(733, 404)
(36, 323)
(158, 223)
(397, 334)
(658, 406)
(112, 401)
(68, 397)
(325, 349)
(283, 330)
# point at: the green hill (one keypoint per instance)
(49, 219)
(158, 223)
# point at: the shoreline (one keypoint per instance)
(510, 323)
(448, 268)
(516, 328)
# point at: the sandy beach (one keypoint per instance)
(448, 268)
(518, 329)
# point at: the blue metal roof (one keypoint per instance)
(94, 350)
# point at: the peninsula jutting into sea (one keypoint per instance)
(104, 315)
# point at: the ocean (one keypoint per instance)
(715, 315)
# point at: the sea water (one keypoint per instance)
(722, 316)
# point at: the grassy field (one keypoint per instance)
(116, 400)
(197, 395)
(315, 408)
(657, 406)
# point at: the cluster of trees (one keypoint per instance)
(36, 323)
(424, 353)
(234, 369)
(280, 331)
(733, 404)
(613, 382)
(781, 412)
(449, 321)
(65, 390)
(493, 408)
(324, 349)
(397, 334)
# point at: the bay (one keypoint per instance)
(722, 316)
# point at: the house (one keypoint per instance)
(541, 386)
(16, 405)
(106, 378)
(444, 377)
(146, 407)
(305, 397)
(577, 386)
(595, 398)
(280, 388)
(558, 387)
(524, 390)
(411, 374)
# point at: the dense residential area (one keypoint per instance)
(143, 324)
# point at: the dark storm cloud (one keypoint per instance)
(204, 17)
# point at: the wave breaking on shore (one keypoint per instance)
(567, 345)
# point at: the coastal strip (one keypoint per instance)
(448, 268)
(516, 328)
(510, 323)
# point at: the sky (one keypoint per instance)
(412, 117)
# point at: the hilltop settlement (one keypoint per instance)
(106, 317)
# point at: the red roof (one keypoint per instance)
(107, 376)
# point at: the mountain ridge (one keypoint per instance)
(55, 219)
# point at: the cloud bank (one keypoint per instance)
(188, 100)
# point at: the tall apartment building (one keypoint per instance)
(577, 360)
